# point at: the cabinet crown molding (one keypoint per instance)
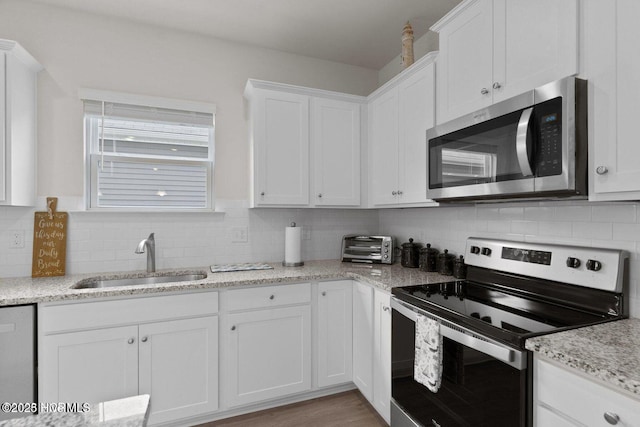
(451, 15)
(12, 47)
(414, 68)
(300, 90)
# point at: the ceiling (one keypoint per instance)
(365, 33)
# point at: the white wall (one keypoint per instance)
(608, 225)
(83, 50)
(80, 50)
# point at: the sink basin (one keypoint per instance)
(151, 279)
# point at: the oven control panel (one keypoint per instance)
(597, 268)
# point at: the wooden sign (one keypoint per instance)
(49, 241)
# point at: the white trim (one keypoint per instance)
(20, 53)
(300, 90)
(451, 15)
(414, 68)
(145, 100)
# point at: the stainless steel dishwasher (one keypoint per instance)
(17, 357)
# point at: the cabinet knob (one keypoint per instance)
(272, 297)
(385, 308)
(399, 193)
(497, 85)
(144, 339)
(484, 91)
(131, 340)
(262, 193)
(601, 170)
(324, 293)
(611, 418)
(320, 195)
(394, 193)
(233, 328)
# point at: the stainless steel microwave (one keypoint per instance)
(532, 145)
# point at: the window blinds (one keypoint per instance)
(149, 157)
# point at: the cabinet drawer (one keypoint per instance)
(100, 314)
(582, 399)
(269, 296)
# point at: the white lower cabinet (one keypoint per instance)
(175, 361)
(267, 347)
(334, 333)
(382, 353)
(372, 346)
(565, 397)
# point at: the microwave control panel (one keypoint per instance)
(549, 150)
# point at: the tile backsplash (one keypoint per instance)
(105, 242)
(607, 225)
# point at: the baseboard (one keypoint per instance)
(219, 415)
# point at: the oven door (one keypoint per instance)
(484, 383)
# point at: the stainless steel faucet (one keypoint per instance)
(150, 244)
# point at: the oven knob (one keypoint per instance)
(594, 265)
(386, 256)
(386, 244)
(486, 251)
(573, 262)
(474, 250)
(475, 314)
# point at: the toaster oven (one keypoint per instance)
(367, 249)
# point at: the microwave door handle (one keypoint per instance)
(521, 142)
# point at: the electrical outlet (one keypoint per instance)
(306, 233)
(240, 234)
(16, 239)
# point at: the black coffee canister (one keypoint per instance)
(445, 263)
(429, 258)
(459, 268)
(410, 254)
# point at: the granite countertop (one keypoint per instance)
(609, 352)
(128, 412)
(27, 290)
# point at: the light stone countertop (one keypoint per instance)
(609, 352)
(27, 290)
(128, 412)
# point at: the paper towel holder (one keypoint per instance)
(293, 264)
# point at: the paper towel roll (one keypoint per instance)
(292, 240)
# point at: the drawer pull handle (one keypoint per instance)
(233, 328)
(611, 417)
(385, 308)
(145, 339)
(601, 170)
(131, 340)
(484, 91)
(272, 297)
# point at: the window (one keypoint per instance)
(146, 153)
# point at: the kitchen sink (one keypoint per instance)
(150, 279)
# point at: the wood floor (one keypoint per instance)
(348, 408)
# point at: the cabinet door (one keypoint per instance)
(383, 148)
(612, 69)
(535, 42)
(179, 367)
(335, 328)
(416, 107)
(382, 354)
(268, 354)
(91, 366)
(465, 62)
(335, 138)
(3, 142)
(281, 143)
(363, 339)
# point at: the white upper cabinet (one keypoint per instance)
(491, 50)
(18, 83)
(304, 142)
(400, 112)
(611, 67)
(335, 138)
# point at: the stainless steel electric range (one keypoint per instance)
(513, 291)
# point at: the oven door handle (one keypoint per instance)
(521, 142)
(504, 354)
